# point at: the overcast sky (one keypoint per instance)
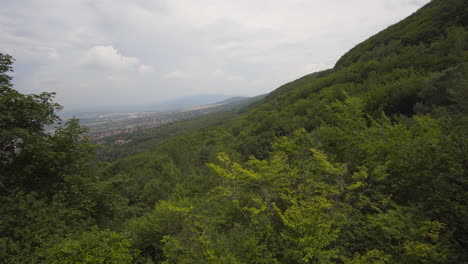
(112, 52)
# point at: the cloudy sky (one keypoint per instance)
(112, 52)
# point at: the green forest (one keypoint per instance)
(364, 163)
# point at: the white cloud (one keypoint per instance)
(219, 73)
(145, 68)
(315, 67)
(108, 58)
(173, 75)
(418, 2)
(53, 54)
(45, 52)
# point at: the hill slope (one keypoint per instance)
(362, 163)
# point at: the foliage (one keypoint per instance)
(92, 247)
(363, 163)
(50, 185)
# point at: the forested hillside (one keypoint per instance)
(366, 162)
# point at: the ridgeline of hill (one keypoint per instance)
(366, 162)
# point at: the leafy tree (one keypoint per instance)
(92, 247)
(50, 184)
(22, 133)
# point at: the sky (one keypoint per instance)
(119, 52)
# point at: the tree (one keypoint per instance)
(22, 122)
(93, 247)
(50, 187)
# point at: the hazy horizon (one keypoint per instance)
(174, 103)
(94, 53)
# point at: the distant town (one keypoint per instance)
(103, 128)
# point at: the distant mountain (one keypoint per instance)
(240, 103)
(177, 103)
(232, 100)
(189, 101)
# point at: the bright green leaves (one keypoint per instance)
(270, 197)
(371, 257)
(234, 171)
(408, 237)
(359, 178)
(309, 231)
(325, 166)
(259, 214)
(93, 247)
